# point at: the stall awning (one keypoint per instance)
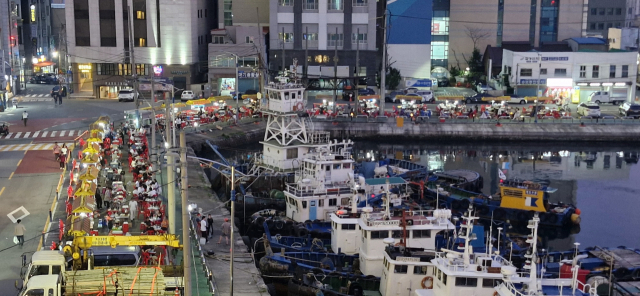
(44, 64)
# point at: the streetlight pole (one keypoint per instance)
(383, 74)
(236, 85)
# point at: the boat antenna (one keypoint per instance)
(531, 255)
(386, 203)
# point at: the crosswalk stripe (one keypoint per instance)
(62, 133)
(30, 147)
(71, 132)
(18, 135)
(53, 134)
(9, 135)
(27, 135)
(17, 147)
(42, 95)
(45, 134)
(35, 135)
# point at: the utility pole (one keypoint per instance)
(171, 191)
(260, 58)
(66, 59)
(306, 54)
(335, 73)
(357, 80)
(9, 18)
(283, 39)
(237, 88)
(134, 72)
(186, 240)
(154, 147)
(233, 215)
(168, 123)
(383, 74)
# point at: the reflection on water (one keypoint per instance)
(603, 184)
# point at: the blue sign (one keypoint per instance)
(555, 58)
(243, 74)
(533, 81)
(418, 83)
(409, 21)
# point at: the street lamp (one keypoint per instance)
(34, 60)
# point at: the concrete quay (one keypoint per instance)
(574, 132)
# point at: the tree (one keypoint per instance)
(476, 34)
(393, 78)
(476, 68)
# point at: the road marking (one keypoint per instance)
(53, 134)
(27, 134)
(9, 135)
(11, 176)
(42, 95)
(20, 209)
(30, 147)
(1, 191)
(62, 133)
(19, 162)
(18, 135)
(35, 135)
(45, 134)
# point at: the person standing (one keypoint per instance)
(210, 226)
(19, 231)
(25, 116)
(98, 200)
(133, 209)
(62, 158)
(56, 150)
(203, 229)
(226, 231)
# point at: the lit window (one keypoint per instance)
(335, 4)
(140, 15)
(361, 38)
(288, 37)
(359, 2)
(286, 2)
(142, 42)
(310, 4)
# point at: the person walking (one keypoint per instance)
(56, 150)
(133, 209)
(25, 116)
(62, 158)
(203, 229)
(19, 231)
(98, 200)
(210, 226)
(226, 231)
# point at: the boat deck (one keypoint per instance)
(623, 257)
(468, 175)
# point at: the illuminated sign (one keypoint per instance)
(33, 13)
(86, 68)
(157, 70)
(560, 82)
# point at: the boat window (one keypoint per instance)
(35, 292)
(55, 269)
(379, 234)
(400, 269)
(345, 201)
(327, 167)
(304, 204)
(348, 227)
(396, 233)
(364, 233)
(439, 274)
(333, 202)
(293, 95)
(299, 94)
(346, 165)
(420, 270)
(490, 283)
(292, 153)
(466, 282)
(286, 95)
(321, 203)
(444, 278)
(421, 233)
(336, 166)
(313, 203)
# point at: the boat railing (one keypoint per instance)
(318, 137)
(301, 191)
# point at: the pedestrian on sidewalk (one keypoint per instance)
(203, 229)
(25, 116)
(98, 200)
(19, 231)
(210, 226)
(63, 159)
(133, 209)
(56, 151)
(226, 231)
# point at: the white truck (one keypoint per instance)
(43, 263)
(600, 97)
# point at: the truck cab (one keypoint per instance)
(43, 285)
(43, 263)
(600, 97)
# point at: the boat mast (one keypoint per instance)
(531, 263)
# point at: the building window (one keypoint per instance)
(625, 71)
(560, 72)
(609, 25)
(592, 26)
(310, 4)
(228, 13)
(359, 3)
(248, 39)
(205, 12)
(286, 2)
(543, 71)
(600, 26)
(141, 69)
(601, 11)
(612, 71)
(292, 153)
(334, 40)
(218, 39)
(287, 37)
(583, 71)
(140, 15)
(361, 38)
(609, 11)
(595, 71)
(594, 11)
(618, 11)
(310, 36)
(524, 72)
(142, 42)
(630, 11)
(335, 4)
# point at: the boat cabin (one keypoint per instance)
(406, 269)
(524, 195)
(284, 96)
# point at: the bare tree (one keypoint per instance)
(476, 34)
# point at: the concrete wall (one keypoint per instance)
(473, 15)
(477, 132)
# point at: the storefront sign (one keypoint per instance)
(157, 70)
(560, 82)
(116, 83)
(533, 81)
(530, 59)
(555, 59)
(33, 13)
(418, 83)
(179, 72)
(243, 74)
(84, 68)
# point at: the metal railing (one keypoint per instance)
(466, 120)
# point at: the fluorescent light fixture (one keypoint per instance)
(620, 84)
(594, 84)
(559, 82)
(607, 84)
(582, 84)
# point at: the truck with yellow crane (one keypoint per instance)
(74, 271)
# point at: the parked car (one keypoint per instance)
(483, 87)
(589, 109)
(126, 95)
(43, 79)
(366, 92)
(187, 95)
(628, 109)
(443, 81)
(479, 98)
(391, 98)
(600, 97)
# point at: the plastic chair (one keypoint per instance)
(143, 228)
(145, 258)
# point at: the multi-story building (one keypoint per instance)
(480, 23)
(169, 41)
(312, 30)
(584, 67)
(605, 14)
(39, 44)
(11, 43)
(243, 13)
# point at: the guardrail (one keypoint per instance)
(467, 120)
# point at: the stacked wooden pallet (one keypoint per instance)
(121, 280)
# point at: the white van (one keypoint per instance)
(427, 96)
(600, 97)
